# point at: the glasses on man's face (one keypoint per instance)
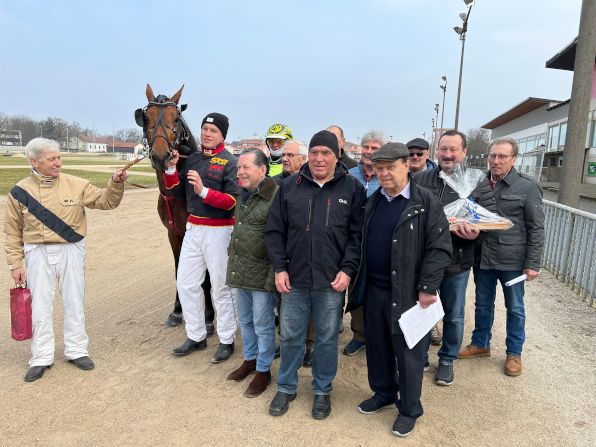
(289, 156)
(416, 154)
(276, 141)
(501, 157)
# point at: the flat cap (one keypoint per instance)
(391, 152)
(419, 143)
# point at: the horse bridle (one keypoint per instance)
(162, 102)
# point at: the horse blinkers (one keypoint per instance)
(140, 118)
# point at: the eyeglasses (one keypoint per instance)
(277, 141)
(492, 157)
(416, 154)
(289, 156)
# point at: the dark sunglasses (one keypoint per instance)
(416, 154)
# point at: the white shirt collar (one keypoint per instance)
(404, 192)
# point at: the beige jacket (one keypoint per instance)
(42, 210)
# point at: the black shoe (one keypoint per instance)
(372, 405)
(189, 346)
(277, 353)
(309, 356)
(341, 326)
(83, 363)
(223, 353)
(403, 426)
(281, 403)
(444, 374)
(36, 372)
(321, 407)
(426, 366)
(210, 327)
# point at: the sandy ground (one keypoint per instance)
(140, 394)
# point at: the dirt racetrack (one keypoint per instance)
(140, 394)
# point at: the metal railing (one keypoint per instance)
(570, 235)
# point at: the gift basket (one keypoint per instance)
(465, 210)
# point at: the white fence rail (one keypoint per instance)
(569, 247)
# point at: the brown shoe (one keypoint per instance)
(513, 366)
(245, 369)
(258, 384)
(472, 351)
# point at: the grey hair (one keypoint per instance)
(302, 147)
(37, 145)
(260, 158)
(511, 141)
(374, 135)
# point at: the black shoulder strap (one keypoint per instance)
(45, 216)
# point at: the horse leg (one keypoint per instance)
(175, 318)
(209, 312)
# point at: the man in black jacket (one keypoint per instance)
(341, 140)
(313, 237)
(406, 249)
(451, 154)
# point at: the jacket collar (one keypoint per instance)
(511, 176)
(42, 179)
(268, 189)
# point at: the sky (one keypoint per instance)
(359, 64)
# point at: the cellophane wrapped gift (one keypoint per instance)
(465, 210)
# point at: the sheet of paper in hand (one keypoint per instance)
(465, 210)
(416, 322)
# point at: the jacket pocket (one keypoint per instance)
(510, 202)
(512, 249)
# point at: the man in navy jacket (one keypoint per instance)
(313, 238)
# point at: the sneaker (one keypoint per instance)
(403, 426)
(513, 365)
(277, 353)
(444, 374)
(472, 351)
(426, 366)
(353, 347)
(436, 338)
(372, 405)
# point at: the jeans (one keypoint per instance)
(453, 296)
(257, 324)
(486, 288)
(326, 306)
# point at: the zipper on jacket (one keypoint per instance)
(309, 213)
(328, 208)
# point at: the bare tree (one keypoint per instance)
(478, 140)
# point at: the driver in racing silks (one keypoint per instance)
(277, 137)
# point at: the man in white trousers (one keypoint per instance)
(209, 180)
(45, 226)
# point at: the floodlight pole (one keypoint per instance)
(444, 88)
(461, 66)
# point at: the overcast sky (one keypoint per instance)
(309, 64)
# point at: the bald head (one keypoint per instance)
(339, 133)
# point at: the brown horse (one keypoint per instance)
(164, 130)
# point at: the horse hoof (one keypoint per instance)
(173, 320)
(210, 329)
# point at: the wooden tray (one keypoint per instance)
(483, 226)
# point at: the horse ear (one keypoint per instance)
(149, 93)
(183, 107)
(176, 97)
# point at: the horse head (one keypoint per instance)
(163, 126)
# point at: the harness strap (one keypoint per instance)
(171, 219)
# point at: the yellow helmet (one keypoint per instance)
(280, 131)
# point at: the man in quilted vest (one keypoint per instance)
(250, 272)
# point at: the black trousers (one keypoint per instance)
(386, 353)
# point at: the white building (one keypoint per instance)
(94, 144)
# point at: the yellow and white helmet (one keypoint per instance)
(279, 131)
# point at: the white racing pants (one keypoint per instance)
(206, 248)
(45, 263)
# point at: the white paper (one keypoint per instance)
(516, 280)
(416, 322)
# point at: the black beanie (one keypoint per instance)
(218, 120)
(327, 139)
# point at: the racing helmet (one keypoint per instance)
(278, 131)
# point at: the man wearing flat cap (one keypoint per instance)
(313, 238)
(419, 161)
(406, 248)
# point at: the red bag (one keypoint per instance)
(20, 313)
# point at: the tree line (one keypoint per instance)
(57, 129)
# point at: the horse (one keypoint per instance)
(165, 130)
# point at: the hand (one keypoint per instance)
(119, 176)
(282, 282)
(174, 160)
(18, 275)
(195, 180)
(465, 232)
(426, 299)
(532, 274)
(341, 282)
